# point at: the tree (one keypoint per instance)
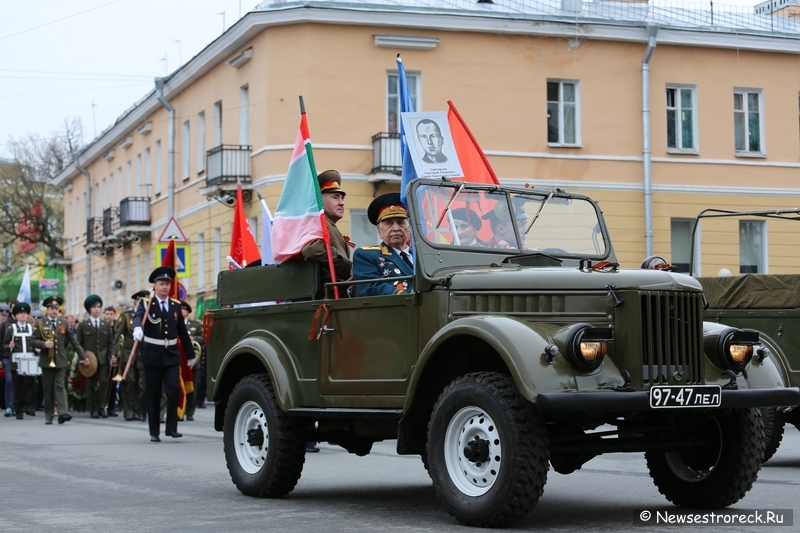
(31, 208)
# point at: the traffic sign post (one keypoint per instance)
(173, 231)
(182, 258)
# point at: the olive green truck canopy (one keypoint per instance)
(753, 291)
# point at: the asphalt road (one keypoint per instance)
(105, 475)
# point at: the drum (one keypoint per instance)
(27, 364)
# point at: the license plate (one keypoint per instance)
(672, 396)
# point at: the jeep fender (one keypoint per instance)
(519, 344)
(768, 373)
(273, 355)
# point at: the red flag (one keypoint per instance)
(473, 161)
(243, 246)
(186, 384)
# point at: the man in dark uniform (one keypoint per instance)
(132, 389)
(196, 331)
(503, 226)
(5, 360)
(18, 340)
(330, 185)
(110, 316)
(95, 334)
(393, 257)
(159, 328)
(51, 335)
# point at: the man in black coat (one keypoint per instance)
(159, 332)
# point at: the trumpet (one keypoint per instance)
(120, 351)
(49, 337)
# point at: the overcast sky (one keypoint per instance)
(94, 58)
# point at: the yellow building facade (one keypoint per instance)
(655, 115)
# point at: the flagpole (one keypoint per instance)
(326, 237)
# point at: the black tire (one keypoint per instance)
(716, 475)
(506, 476)
(264, 448)
(774, 423)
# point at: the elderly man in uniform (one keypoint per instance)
(503, 226)
(468, 224)
(196, 332)
(51, 335)
(159, 327)
(330, 185)
(95, 335)
(5, 360)
(132, 389)
(18, 340)
(393, 257)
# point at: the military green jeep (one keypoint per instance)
(504, 359)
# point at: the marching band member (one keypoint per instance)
(18, 340)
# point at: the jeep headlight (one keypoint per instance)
(735, 348)
(587, 345)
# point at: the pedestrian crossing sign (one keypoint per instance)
(182, 258)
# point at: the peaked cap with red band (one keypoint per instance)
(330, 181)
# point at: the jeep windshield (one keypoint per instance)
(484, 219)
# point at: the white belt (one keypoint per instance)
(161, 342)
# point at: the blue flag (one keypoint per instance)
(406, 106)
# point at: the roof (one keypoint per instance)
(689, 24)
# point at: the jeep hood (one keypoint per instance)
(564, 279)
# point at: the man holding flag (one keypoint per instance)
(159, 323)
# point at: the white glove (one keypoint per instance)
(192, 362)
(138, 334)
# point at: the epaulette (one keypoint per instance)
(175, 300)
(370, 247)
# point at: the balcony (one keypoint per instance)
(134, 211)
(227, 166)
(94, 236)
(119, 226)
(386, 155)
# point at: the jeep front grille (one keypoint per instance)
(672, 337)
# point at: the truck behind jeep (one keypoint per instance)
(501, 362)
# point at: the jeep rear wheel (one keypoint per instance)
(264, 448)
(487, 450)
(717, 473)
(774, 423)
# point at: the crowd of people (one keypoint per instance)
(40, 358)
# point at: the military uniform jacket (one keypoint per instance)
(371, 262)
(195, 329)
(61, 335)
(99, 340)
(4, 352)
(123, 334)
(162, 328)
(340, 248)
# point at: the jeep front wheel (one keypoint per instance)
(264, 448)
(487, 450)
(774, 423)
(718, 472)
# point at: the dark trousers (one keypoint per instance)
(156, 377)
(97, 389)
(55, 392)
(24, 393)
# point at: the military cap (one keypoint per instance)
(185, 305)
(21, 307)
(140, 294)
(468, 215)
(330, 181)
(4, 308)
(36, 314)
(91, 300)
(500, 213)
(53, 301)
(386, 206)
(162, 273)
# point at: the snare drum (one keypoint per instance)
(27, 364)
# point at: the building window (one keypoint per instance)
(201, 142)
(562, 113)
(139, 175)
(216, 262)
(752, 247)
(362, 232)
(158, 168)
(681, 118)
(244, 115)
(128, 177)
(747, 121)
(201, 262)
(218, 123)
(146, 270)
(147, 172)
(254, 228)
(187, 162)
(681, 233)
(393, 98)
(119, 184)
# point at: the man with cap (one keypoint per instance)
(393, 257)
(5, 359)
(196, 332)
(330, 183)
(110, 316)
(18, 340)
(502, 226)
(132, 389)
(468, 224)
(95, 335)
(51, 335)
(159, 327)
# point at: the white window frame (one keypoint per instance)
(217, 259)
(147, 171)
(414, 79)
(244, 115)
(678, 109)
(129, 181)
(764, 255)
(187, 150)
(201, 142)
(762, 152)
(139, 175)
(561, 105)
(201, 263)
(217, 132)
(159, 172)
